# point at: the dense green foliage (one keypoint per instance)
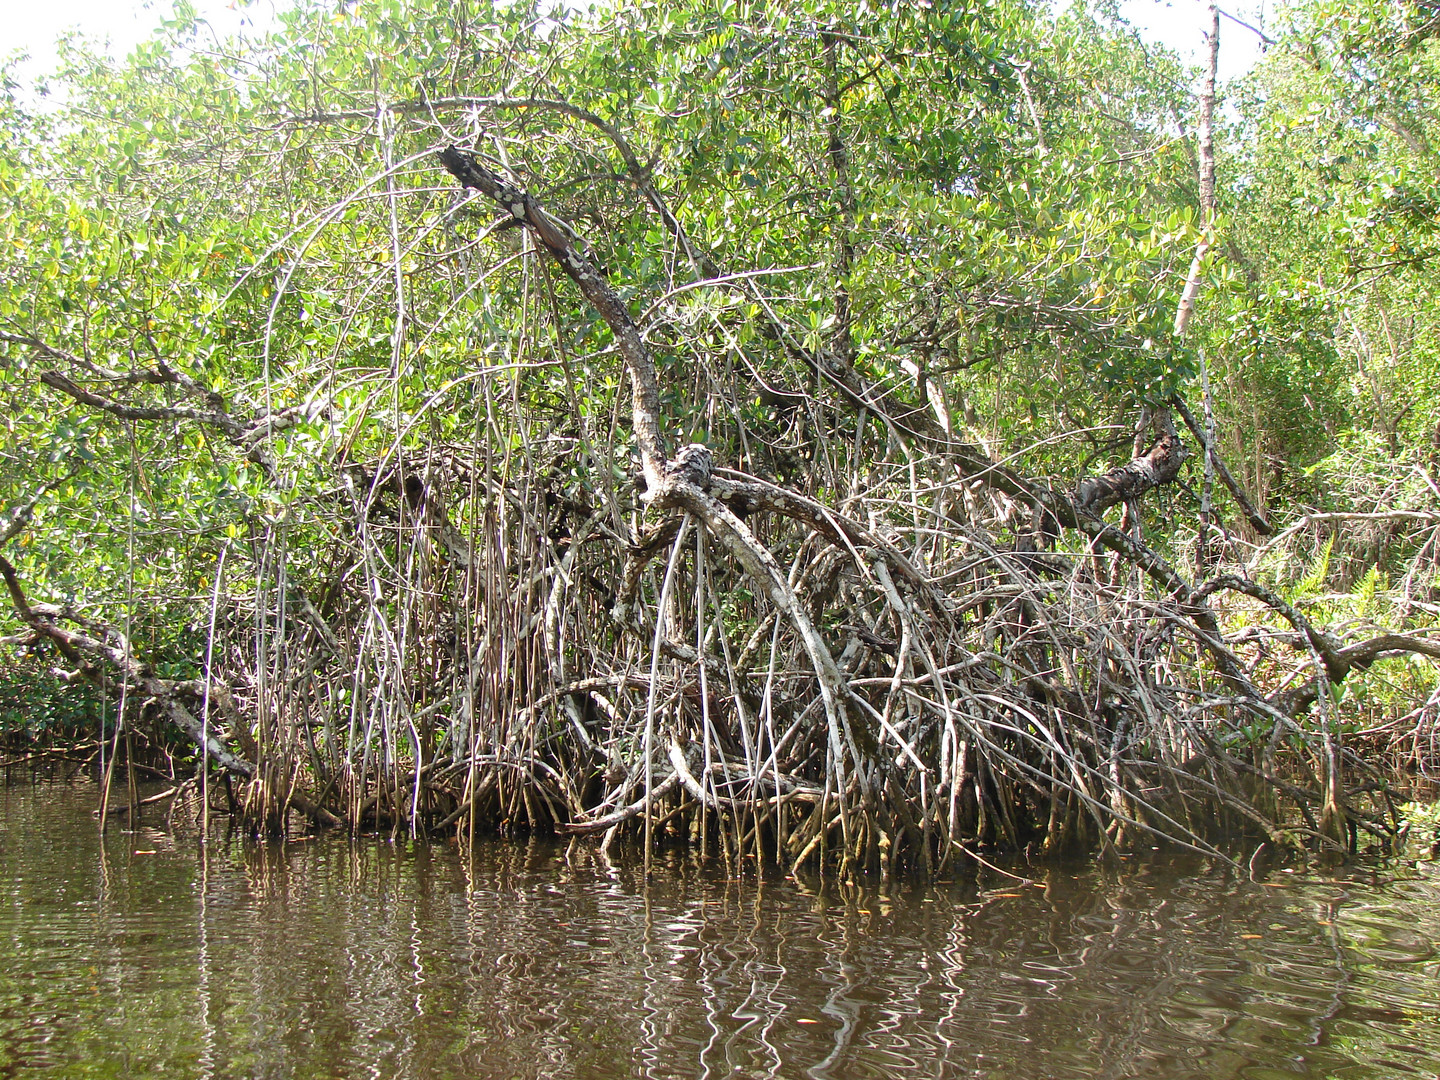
(231, 212)
(211, 210)
(35, 705)
(1022, 215)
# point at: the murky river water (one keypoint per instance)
(145, 956)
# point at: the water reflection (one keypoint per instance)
(146, 956)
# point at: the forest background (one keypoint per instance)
(1068, 432)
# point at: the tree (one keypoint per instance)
(868, 272)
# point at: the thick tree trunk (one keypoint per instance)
(1145, 473)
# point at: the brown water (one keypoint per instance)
(148, 956)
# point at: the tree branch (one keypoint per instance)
(555, 238)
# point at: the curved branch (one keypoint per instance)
(1339, 660)
(21, 515)
(555, 238)
(167, 693)
(1323, 643)
(216, 418)
(1145, 473)
(621, 815)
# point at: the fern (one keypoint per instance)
(1367, 592)
(1309, 585)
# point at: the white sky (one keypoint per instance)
(34, 25)
(1181, 25)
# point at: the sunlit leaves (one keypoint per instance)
(267, 219)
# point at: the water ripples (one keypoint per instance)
(327, 958)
